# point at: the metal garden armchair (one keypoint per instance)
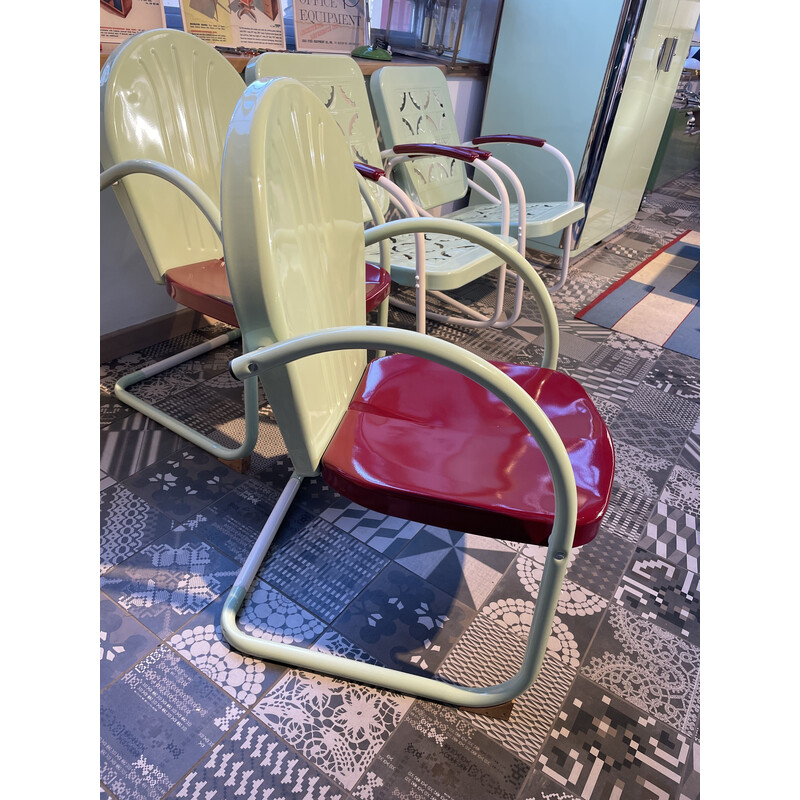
(166, 98)
(412, 105)
(426, 262)
(431, 432)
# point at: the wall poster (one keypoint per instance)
(329, 26)
(252, 24)
(120, 19)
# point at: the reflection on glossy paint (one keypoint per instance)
(415, 424)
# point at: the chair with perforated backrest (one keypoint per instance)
(412, 104)
(166, 98)
(431, 432)
(431, 263)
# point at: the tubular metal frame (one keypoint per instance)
(558, 550)
(521, 404)
(207, 206)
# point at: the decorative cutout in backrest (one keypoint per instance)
(167, 96)
(338, 82)
(413, 106)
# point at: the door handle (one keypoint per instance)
(660, 62)
(666, 53)
(672, 49)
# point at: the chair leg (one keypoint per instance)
(566, 246)
(227, 454)
(494, 699)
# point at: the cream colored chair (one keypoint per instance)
(413, 105)
(430, 263)
(166, 98)
(431, 432)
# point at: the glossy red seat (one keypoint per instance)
(419, 443)
(204, 287)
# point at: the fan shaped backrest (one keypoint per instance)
(167, 96)
(294, 250)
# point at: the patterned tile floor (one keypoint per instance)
(615, 711)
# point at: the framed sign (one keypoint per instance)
(252, 24)
(120, 19)
(329, 26)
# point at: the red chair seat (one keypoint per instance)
(421, 442)
(379, 283)
(204, 287)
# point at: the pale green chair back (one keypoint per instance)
(338, 82)
(167, 96)
(412, 105)
(294, 249)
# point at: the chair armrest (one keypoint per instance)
(512, 258)
(512, 138)
(482, 160)
(509, 137)
(206, 205)
(460, 152)
(369, 172)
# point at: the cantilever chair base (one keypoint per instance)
(492, 700)
(482, 387)
(237, 455)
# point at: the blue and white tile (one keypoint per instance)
(403, 621)
(127, 525)
(134, 442)
(337, 726)
(265, 614)
(123, 641)
(250, 763)
(156, 722)
(106, 481)
(170, 581)
(321, 568)
(233, 522)
(184, 483)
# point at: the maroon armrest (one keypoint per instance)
(368, 172)
(458, 152)
(509, 137)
